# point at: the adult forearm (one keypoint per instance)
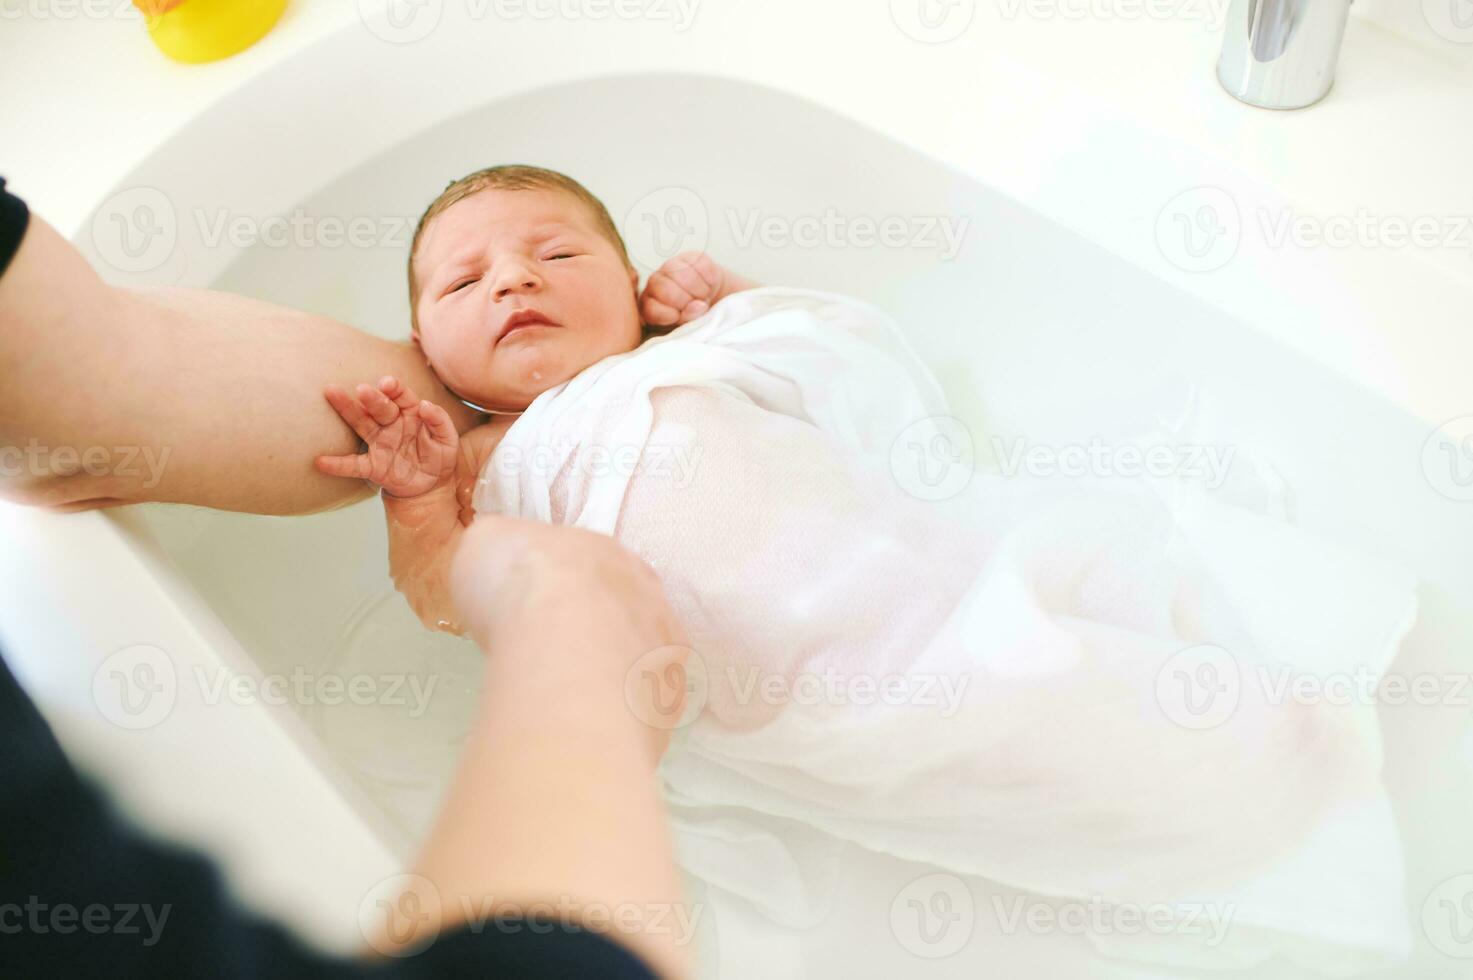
(556, 806)
(120, 396)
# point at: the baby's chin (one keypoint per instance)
(515, 392)
(522, 372)
(508, 398)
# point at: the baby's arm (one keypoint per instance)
(425, 531)
(425, 471)
(686, 287)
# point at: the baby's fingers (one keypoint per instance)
(669, 307)
(351, 412)
(696, 273)
(437, 423)
(378, 406)
(355, 466)
(665, 290)
(658, 314)
(398, 392)
(667, 302)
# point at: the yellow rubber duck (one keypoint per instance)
(195, 31)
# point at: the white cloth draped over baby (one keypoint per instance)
(1008, 682)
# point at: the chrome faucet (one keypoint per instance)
(1281, 54)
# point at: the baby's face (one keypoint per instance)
(499, 253)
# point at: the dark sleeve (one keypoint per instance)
(13, 220)
(82, 894)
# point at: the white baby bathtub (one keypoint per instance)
(1035, 332)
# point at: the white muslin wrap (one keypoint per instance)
(1071, 686)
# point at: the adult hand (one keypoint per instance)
(557, 802)
(523, 588)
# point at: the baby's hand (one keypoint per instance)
(412, 444)
(682, 289)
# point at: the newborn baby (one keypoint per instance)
(518, 280)
(966, 683)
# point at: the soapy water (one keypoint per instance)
(400, 743)
(391, 701)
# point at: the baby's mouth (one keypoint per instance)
(522, 319)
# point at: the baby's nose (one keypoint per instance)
(516, 277)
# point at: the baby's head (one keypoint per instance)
(500, 247)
